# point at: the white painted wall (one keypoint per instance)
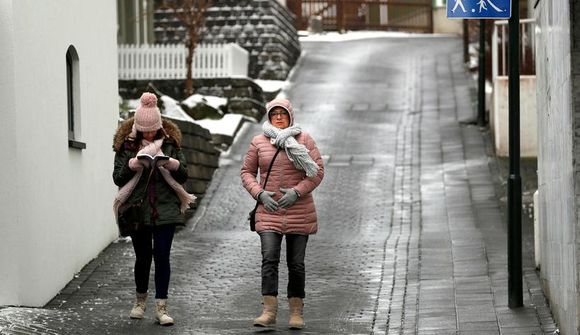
(8, 219)
(55, 200)
(558, 166)
(499, 117)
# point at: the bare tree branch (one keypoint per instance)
(191, 14)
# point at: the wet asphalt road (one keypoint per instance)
(411, 238)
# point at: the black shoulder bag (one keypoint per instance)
(252, 215)
(130, 216)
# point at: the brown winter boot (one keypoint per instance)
(268, 317)
(161, 313)
(140, 306)
(296, 308)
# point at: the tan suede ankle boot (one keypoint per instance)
(268, 317)
(140, 306)
(161, 313)
(296, 306)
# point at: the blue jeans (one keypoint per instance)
(295, 252)
(146, 251)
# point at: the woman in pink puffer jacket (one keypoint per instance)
(286, 205)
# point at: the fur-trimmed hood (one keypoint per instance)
(171, 130)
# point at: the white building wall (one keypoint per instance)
(55, 200)
(8, 219)
(557, 161)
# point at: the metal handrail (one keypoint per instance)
(499, 28)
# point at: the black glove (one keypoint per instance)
(269, 203)
(289, 198)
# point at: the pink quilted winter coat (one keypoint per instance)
(301, 217)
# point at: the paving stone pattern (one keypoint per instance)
(411, 239)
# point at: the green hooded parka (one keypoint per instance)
(161, 206)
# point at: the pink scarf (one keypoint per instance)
(153, 149)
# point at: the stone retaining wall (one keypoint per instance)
(201, 156)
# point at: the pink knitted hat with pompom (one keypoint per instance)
(147, 115)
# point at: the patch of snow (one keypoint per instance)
(122, 239)
(213, 101)
(270, 85)
(172, 109)
(132, 103)
(225, 126)
(248, 118)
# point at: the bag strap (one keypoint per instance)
(267, 175)
(270, 168)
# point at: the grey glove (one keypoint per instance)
(269, 203)
(289, 198)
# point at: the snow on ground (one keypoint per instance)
(358, 35)
(210, 100)
(174, 110)
(132, 104)
(270, 85)
(225, 126)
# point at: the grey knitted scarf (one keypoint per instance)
(297, 153)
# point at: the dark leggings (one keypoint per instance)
(295, 252)
(145, 251)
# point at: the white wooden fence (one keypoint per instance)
(159, 61)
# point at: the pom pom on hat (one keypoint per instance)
(148, 100)
(147, 115)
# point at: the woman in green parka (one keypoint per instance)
(164, 199)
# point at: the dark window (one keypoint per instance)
(70, 95)
(72, 91)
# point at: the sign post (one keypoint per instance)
(515, 295)
(502, 9)
(481, 76)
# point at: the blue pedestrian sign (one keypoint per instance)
(479, 9)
